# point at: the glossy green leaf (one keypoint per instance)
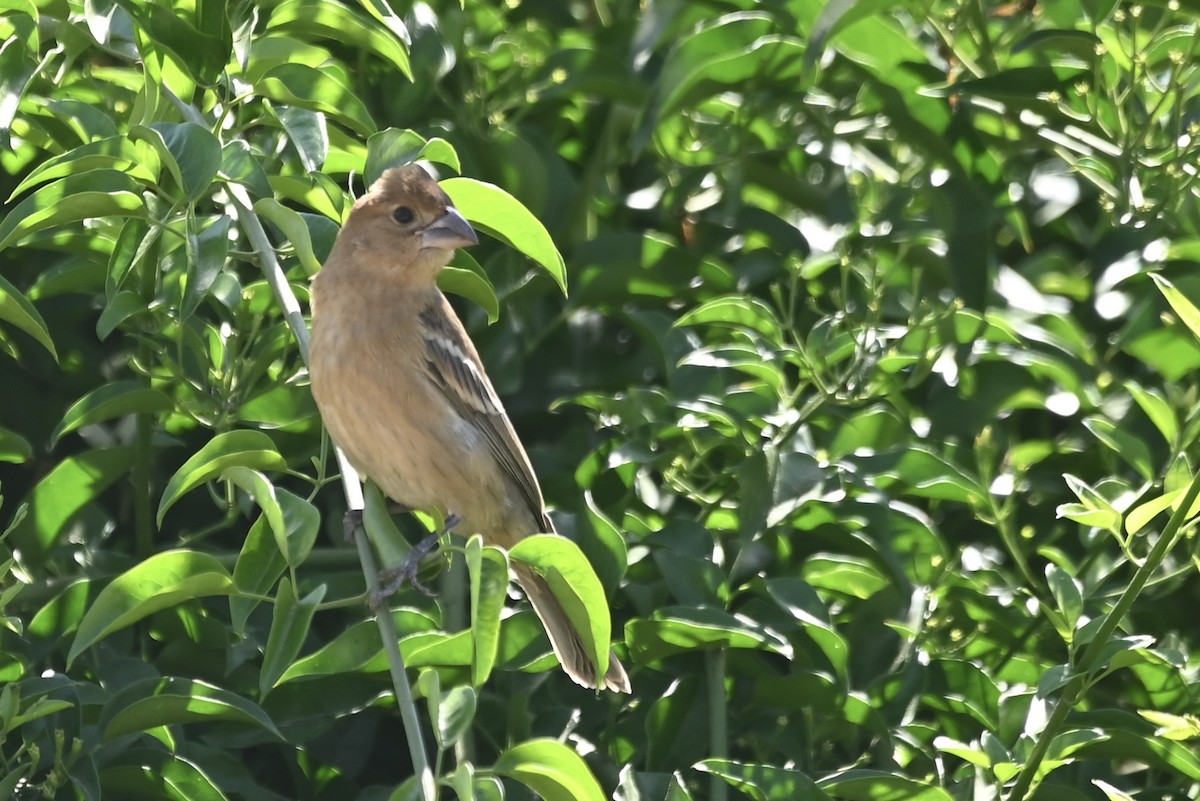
(259, 564)
(290, 623)
(574, 584)
(470, 282)
(16, 309)
(1131, 448)
(149, 703)
(312, 18)
(316, 90)
(550, 769)
(114, 152)
(207, 252)
(190, 152)
(736, 312)
(503, 216)
(293, 227)
(14, 448)
(1180, 303)
(162, 581)
(96, 193)
(764, 782)
(862, 784)
(61, 494)
(680, 629)
(107, 401)
(252, 449)
(488, 570)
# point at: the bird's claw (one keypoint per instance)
(350, 523)
(393, 578)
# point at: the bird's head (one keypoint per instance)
(405, 222)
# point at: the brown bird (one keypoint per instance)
(402, 390)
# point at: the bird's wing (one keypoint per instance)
(459, 375)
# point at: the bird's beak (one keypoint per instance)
(449, 231)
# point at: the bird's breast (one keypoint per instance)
(381, 407)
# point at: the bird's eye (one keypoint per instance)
(403, 215)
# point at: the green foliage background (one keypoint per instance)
(871, 402)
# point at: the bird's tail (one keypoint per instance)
(563, 638)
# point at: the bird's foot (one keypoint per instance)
(393, 578)
(350, 523)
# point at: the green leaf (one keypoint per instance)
(114, 152)
(861, 784)
(315, 18)
(119, 308)
(190, 152)
(15, 308)
(470, 282)
(258, 565)
(241, 165)
(1068, 596)
(207, 252)
(96, 193)
(575, 585)
(107, 401)
(764, 782)
(456, 712)
(308, 134)
(14, 448)
(504, 217)
(358, 648)
(488, 569)
(395, 147)
(146, 704)
(162, 581)
(290, 626)
(294, 229)
(252, 449)
(1157, 409)
(309, 88)
(1183, 306)
(736, 311)
(680, 629)
(550, 769)
(70, 486)
(1129, 447)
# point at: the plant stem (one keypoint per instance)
(718, 722)
(351, 485)
(1087, 664)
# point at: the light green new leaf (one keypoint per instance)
(488, 569)
(550, 769)
(15, 308)
(1183, 306)
(471, 282)
(97, 193)
(575, 585)
(504, 217)
(111, 400)
(161, 581)
(252, 449)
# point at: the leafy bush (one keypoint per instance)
(872, 398)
